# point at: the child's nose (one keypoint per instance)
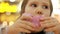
(39, 12)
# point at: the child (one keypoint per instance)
(35, 7)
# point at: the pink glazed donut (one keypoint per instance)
(35, 19)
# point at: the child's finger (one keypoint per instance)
(31, 27)
(24, 24)
(26, 27)
(45, 18)
(24, 17)
(54, 29)
(49, 23)
(28, 23)
(14, 30)
(49, 29)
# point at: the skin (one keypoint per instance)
(36, 7)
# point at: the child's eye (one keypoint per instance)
(45, 7)
(34, 5)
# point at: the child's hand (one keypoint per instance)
(23, 26)
(20, 26)
(51, 24)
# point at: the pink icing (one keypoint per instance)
(35, 19)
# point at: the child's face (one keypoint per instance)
(38, 7)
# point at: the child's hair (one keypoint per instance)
(26, 1)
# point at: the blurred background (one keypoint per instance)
(10, 11)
